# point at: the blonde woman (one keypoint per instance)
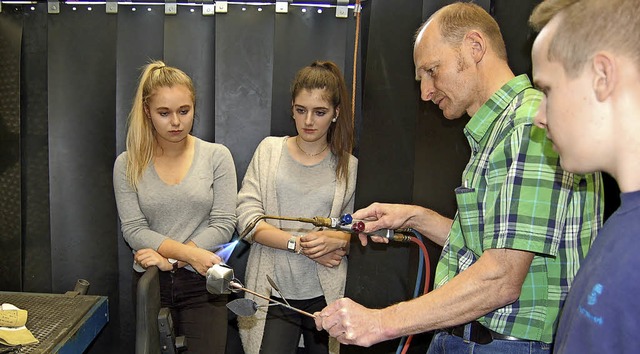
(176, 197)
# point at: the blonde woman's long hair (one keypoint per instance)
(141, 141)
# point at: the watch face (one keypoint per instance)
(291, 244)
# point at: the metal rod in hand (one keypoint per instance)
(240, 287)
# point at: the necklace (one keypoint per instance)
(308, 154)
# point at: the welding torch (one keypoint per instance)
(344, 223)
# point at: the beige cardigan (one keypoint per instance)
(258, 197)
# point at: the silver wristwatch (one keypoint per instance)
(291, 244)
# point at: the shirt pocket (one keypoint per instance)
(469, 214)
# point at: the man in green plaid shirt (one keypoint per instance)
(523, 224)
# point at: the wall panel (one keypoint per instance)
(189, 44)
(10, 164)
(244, 79)
(81, 86)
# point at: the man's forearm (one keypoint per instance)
(498, 273)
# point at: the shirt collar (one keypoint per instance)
(482, 120)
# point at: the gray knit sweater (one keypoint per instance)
(201, 208)
(258, 197)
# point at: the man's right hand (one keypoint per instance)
(351, 323)
(383, 216)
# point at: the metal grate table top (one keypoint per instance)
(52, 318)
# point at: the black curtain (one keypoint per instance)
(10, 164)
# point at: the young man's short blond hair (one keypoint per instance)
(588, 26)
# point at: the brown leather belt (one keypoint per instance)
(479, 333)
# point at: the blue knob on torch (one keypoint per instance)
(346, 219)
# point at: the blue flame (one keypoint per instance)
(225, 250)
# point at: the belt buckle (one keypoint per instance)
(477, 333)
(480, 334)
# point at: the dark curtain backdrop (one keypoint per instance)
(10, 163)
(67, 82)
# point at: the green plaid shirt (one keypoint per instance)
(514, 195)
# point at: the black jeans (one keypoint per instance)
(198, 315)
(284, 326)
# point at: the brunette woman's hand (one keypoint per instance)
(319, 243)
(331, 259)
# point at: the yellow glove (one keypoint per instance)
(12, 326)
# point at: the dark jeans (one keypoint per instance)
(443, 343)
(198, 315)
(284, 326)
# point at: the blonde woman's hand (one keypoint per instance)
(201, 260)
(148, 257)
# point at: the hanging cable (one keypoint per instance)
(405, 342)
(416, 290)
(357, 11)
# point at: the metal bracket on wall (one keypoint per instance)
(170, 7)
(112, 6)
(208, 8)
(53, 6)
(282, 7)
(222, 7)
(342, 9)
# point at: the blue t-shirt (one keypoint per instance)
(602, 312)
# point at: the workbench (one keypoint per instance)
(63, 323)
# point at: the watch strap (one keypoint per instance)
(174, 264)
